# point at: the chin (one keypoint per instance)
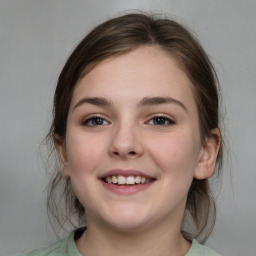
(127, 220)
(128, 226)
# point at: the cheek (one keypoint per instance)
(176, 159)
(84, 153)
(176, 155)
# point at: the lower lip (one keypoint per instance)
(126, 189)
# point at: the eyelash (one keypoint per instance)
(89, 121)
(161, 119)
(99, 121)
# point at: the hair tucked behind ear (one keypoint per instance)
(118, 36)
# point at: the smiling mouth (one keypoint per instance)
(129, 180)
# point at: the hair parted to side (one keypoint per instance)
(115, 37)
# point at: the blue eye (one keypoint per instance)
(95, 121)
(161, 121)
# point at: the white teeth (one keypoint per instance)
(114, 179)
(121, 180)
(138, 179)
(129, 180)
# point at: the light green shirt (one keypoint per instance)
(67, 247)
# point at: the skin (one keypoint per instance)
(128, 135)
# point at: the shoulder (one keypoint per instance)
(197, 249)
(63, 247)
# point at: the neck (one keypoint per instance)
(104, 241)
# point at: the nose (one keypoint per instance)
(126, 142)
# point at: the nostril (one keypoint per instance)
(131, 153)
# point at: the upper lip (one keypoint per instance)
(125, 173)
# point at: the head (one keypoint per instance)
(117, 37)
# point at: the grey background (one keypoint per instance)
(35, 39)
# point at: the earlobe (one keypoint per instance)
(208, 155)
(61, 149)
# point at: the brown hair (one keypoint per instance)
(118, 36)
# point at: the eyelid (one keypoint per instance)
(164, 116)
(94, 116)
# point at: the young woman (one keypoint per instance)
(136, 128)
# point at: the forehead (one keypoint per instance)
(145, 71)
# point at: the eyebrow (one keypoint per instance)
(101, 102)
(150, 101)
(147, 101)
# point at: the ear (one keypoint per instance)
(61, 149)
(208, 155)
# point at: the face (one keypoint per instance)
(132, 145)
